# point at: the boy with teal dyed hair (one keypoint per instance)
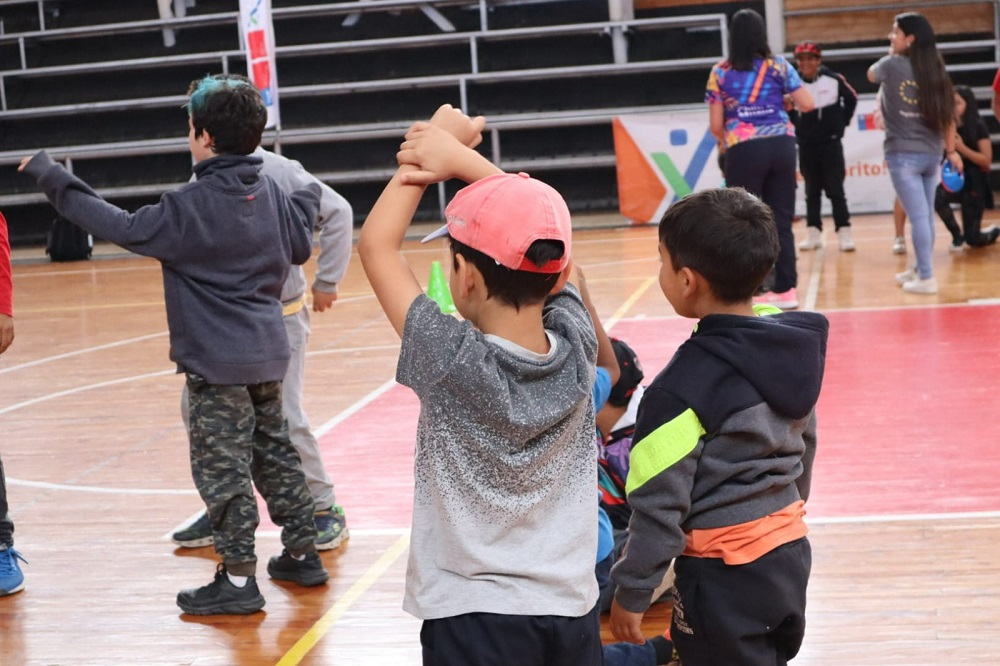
(724, 443)
(225, 243)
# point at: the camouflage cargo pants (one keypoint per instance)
(238, 434)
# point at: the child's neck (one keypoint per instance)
(713, 306)
(522, 327)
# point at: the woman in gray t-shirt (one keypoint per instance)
(918, 108)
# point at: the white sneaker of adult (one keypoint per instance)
(921, 286)
(813, 241)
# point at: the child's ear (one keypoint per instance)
(564, 277)
(690, 282)
(206, 140)
(465, 274)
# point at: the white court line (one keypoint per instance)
(812, 291)
(82, 389)
(353, 409)
(902, 517)
(78, 352)
(349, 350)
(87, 271)
(881, 308)
(98, 489)
(318, 432)
(359, 532)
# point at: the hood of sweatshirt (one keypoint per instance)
(229, 173)
(782, 356)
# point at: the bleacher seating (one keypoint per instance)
(347, 97)
(97, 85)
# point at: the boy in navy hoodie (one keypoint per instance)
(724, 443)
(225, 243)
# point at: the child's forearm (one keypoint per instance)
(379, 247)
(605, 352)
(385, 227)
(471, 166)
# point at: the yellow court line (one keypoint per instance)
(325, 623)
(629, 302)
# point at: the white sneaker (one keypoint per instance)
(921, 286)
(956, 248)
(813, 241)
(844, 236)
(899, 245)
(909, 275)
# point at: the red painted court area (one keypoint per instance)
(907, 419)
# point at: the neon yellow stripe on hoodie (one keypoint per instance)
(662, 448)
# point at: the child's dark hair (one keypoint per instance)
(230, 109)
(509, 286)
(971, 115)
(726, 235)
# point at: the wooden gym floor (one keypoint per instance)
(904, 516)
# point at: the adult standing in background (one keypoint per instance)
(745, 96)
(918, 108)
(821, 152)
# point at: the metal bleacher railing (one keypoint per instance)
(461, 81)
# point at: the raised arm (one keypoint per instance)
(605, 352)
(379, 247)
(429, 154)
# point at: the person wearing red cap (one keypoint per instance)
(821, 153)
(503, 543)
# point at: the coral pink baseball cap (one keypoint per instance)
(503, 214)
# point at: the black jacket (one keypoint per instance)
(835, 104)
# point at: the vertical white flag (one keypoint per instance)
(258, 42)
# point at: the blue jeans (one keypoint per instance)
(628, 654)
(915, 177)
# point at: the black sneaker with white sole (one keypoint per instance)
(307, 572)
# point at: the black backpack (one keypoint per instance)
(68, 242)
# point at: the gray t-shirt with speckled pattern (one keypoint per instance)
(504, 511)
